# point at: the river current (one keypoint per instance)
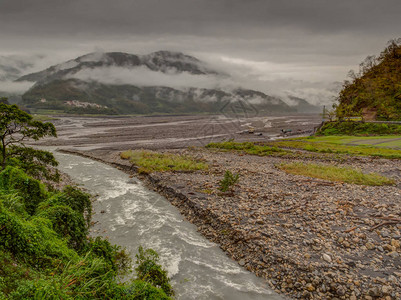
(131, 215)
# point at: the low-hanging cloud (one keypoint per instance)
(267, 77)
(143, 76)
(12, 87)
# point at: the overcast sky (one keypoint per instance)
(301, 46)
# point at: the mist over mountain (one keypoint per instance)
(159, 82)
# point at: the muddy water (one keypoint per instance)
(133, 216)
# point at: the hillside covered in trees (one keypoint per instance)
(375, 91)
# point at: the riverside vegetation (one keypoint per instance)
(45, 251)
(149, 161)
(333, 173)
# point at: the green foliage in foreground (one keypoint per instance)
(228, 181)
(315, 145)
(333, 173)
(359, 128)
(45, 252)
(249, 148)
(149, 270)
(149, 161)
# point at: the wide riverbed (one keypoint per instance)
(131, 215)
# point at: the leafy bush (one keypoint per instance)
(33, 239)
(84, 279)
(32, 191)
(142, 290)
(14, 203)
(149, 270)
(12, 272)
(76, 199)
(228, 181)
(116, 257)
(68, 223)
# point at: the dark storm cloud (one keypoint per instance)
(281, 44)
(203, 17)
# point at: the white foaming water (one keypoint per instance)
(119, 220)
(117, 188)
(193, 239)
(135, 216)
(218, 266)
(172, 263)
(129, 208)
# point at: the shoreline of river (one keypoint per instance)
(319, 266)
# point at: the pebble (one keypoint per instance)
(395, 243)
(327, 257)
(386, 289)
(369, 246)
(388, 247)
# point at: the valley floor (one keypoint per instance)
(309, 238)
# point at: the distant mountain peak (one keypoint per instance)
(173, 55)
(160, 61)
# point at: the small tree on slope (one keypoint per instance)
(16, 127)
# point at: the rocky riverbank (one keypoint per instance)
(309, 238)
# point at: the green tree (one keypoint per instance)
(17, 127)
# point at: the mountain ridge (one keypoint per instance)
(60, 87)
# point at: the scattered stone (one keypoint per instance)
(388, 247)
(369, 246)
(327, 257)
(386, 289)
(395, 243)
(310, 287)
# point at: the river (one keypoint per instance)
(131, 215)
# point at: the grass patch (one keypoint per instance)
(359, 128)
(149, 161)
(249, 148)
(43, 118)
(333, 173)
(334, 145)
